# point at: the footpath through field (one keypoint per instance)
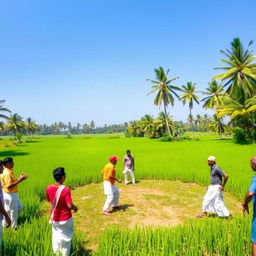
(151, 203)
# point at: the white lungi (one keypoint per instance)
(213, 201)
(131, 172)
(112, 193)
(13, 207)
(62, 232)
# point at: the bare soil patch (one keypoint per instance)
(151, 203)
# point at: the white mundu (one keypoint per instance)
(112, 193)
(131, 173)
(213, 201)
(13, 207)
(62, 232)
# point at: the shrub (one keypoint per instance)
(166, 138)
(69, 136)
(240, 136)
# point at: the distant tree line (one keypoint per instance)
(62, 128)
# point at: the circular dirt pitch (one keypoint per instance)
(154, 203)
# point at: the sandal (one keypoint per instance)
(200, 215)
(106, 213)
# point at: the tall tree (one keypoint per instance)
(147, 125)
(92, 126)
(3, 109)
(189, 95)
(31, 127)
(217, 125)
(240, 70)
(191, 121)
(15, 124)
(165, 91)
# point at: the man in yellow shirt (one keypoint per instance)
(110, 190)
(12, 203)
(3, 213)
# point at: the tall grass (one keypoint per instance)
(83, 160)
(207, 237)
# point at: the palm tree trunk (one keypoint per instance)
(190, 114)
(166, 121)
(219, 128)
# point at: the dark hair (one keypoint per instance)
(7, 160)
(128, 151)
(1, 162)
(58, 173)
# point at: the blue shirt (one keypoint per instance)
(253, 190)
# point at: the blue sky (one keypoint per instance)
(89, 60)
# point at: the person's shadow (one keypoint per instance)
(123, 207)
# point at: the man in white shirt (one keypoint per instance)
(128, 167)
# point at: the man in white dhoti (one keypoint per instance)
(110, 190)
(2, 210)
(61, 216)
(12, 203)
(213, 199)
(128, 167)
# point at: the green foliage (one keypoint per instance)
(240, 136)
(152, 128)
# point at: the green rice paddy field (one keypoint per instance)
(83, 158)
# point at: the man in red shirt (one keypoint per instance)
(61, 217)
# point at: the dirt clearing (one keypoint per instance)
(151, 203)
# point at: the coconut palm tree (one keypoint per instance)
(31, 127)
(15, 124)
(134, 129)
(240, 69)
(242, 107)
(189, 95)
(3, 109)
(165, 91)
(191, 121)
(160, 124)
(214, 95)
(147, 125)
(217, 125)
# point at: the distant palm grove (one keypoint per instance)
(231, 93)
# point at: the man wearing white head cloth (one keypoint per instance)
(213, 199)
